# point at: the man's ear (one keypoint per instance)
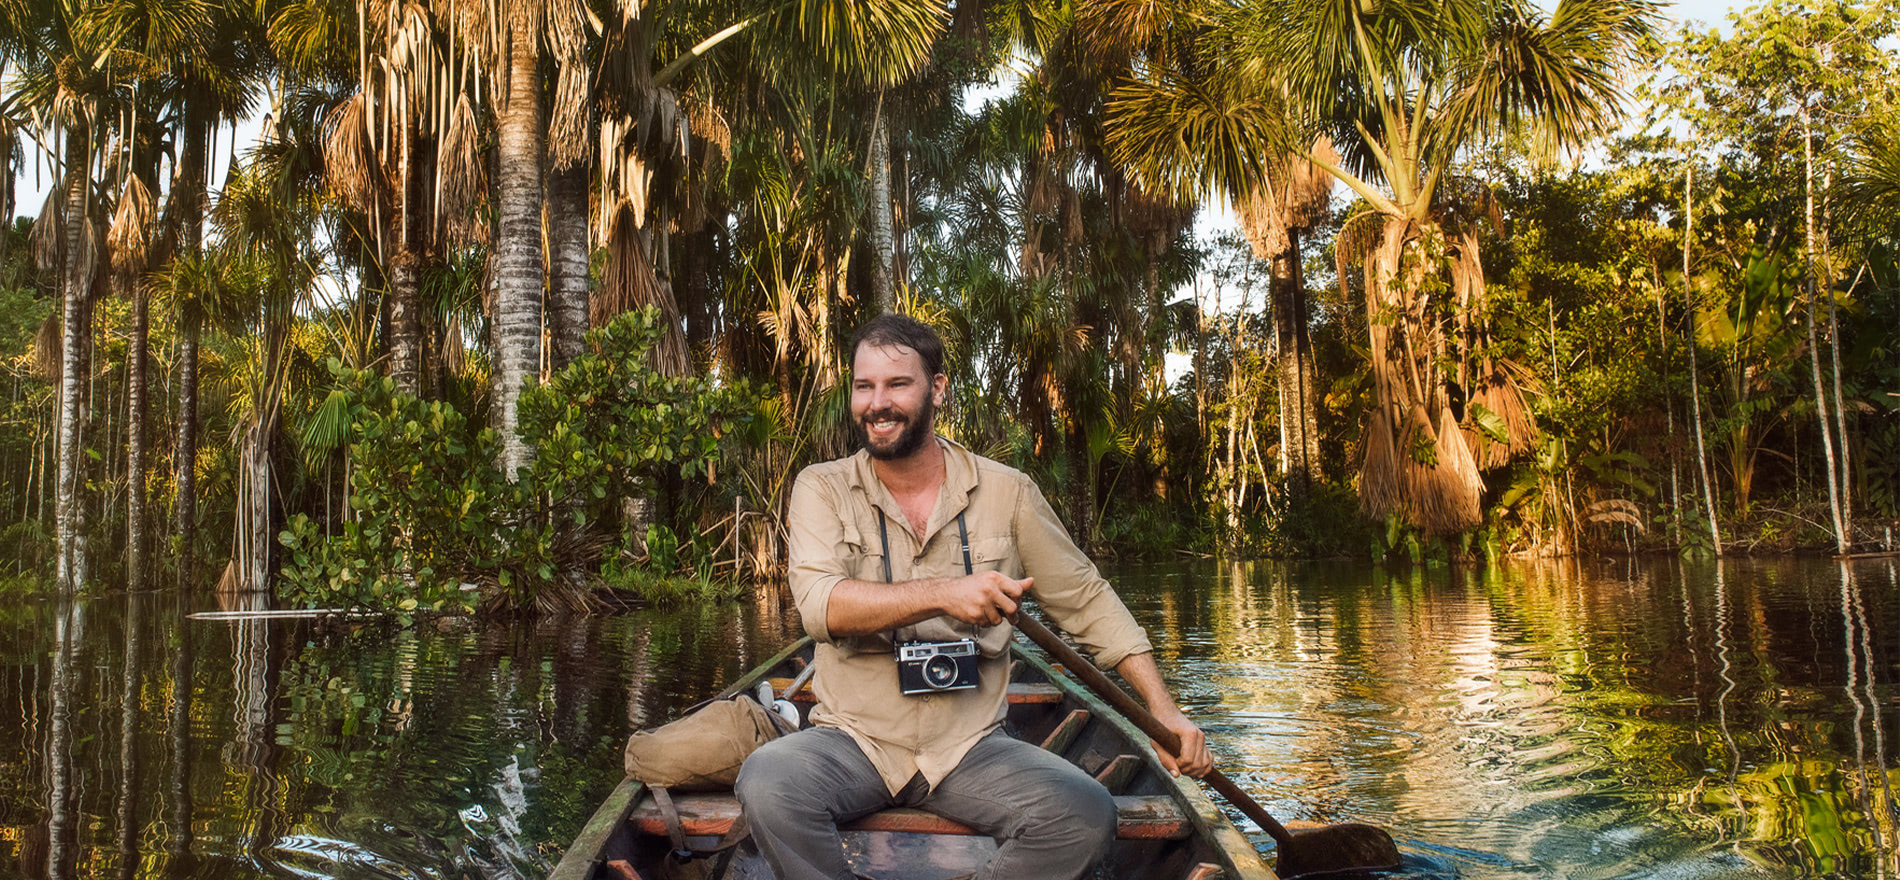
(938, 387)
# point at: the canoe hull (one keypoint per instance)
(1169, 828)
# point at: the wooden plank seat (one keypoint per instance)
(711, 814)
(1018, 692)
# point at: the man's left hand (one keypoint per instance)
(1194, 758)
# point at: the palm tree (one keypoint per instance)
(153, 43)
(69, 85)
(519, 259)
(213, 79)
(1403, 88)
(1196, 123)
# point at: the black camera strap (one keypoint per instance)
(884, 538)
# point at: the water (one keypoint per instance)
(1557, 720)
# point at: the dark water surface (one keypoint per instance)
(1558, 720)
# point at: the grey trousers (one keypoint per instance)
(1052, 820)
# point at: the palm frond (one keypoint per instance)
(129, 238)
(462, 178)
(1869, 188)
(1558, 80)
(349, 161)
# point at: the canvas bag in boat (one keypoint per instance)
(702, 750)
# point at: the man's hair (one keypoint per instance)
(902, 330)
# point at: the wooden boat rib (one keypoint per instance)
(1168, 829)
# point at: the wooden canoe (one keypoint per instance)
(1169, 829)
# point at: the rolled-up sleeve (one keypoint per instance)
(815, 565)
(1069, 587)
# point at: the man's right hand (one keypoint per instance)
(984, 598)
(862, 607)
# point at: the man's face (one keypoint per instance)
(893, 401)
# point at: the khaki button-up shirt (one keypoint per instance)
(836, 509)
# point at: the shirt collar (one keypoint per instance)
(959, 480)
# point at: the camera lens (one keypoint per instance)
(940, 672)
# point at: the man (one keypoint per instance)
(917, 540)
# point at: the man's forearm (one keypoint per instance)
(1190, 753)
(858, 608)
(1140, 672)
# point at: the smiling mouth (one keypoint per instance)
(884, 422)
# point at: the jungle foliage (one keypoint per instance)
(508, 301)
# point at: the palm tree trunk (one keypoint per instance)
(1081, 488)
(1299, 442)
(251, 547)
(883, 224)
(1814, 349)
(136, 359)
(1834, 351)
(188, 202)
(519, 261)
(185, 477)
(405, 324)
(75, 331)
(568, 284)
(567, 331)
(1695, 383)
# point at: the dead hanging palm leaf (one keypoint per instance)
(1496, 408)
(629, 282)
(707, 123)
(350, 167)
(1357, 238)
(1458, 486)
(1309, 188)
(46, 349)
(129, 238)
(454, 349)
(1043, 191)
(568, 116)
(1260, 223)
(49, 232)
(1379, 484)
(462, 179)
(1074, 231)
(1153, 219)
(1296, 195)
(1425, 474)
(1467, 275)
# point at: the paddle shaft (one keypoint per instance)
(1134, 711)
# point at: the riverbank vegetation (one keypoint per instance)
(508, 302)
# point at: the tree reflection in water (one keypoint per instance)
(1580, 718)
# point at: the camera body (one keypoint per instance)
(929, 667)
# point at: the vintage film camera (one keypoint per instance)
(928, 667)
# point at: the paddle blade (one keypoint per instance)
(1337, 850)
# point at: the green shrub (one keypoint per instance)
(435, 525)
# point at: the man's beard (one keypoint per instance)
(916, 431)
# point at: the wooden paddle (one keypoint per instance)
(1345, 848)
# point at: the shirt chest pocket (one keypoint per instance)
(995, 553)
(862, 552)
